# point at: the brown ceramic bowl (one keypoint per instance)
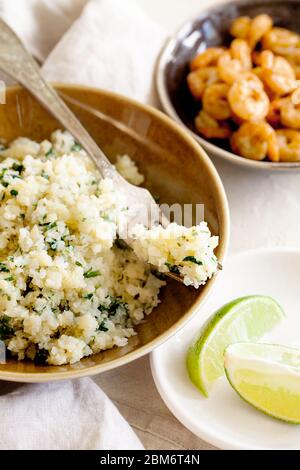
(175, 167)
(209, 29)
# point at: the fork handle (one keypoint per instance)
(19, 65)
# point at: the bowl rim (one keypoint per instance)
(39, 377)
(164, 97)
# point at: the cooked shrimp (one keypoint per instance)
(215, 101)
(247, 98)
(210, 128)
(280, 77)
(264, 59)
(256, 141)
(259, 26)
(296, 68)
(289, 145)
(240, 51)
(295, 96)
(240, 27)
(290, 114)
(229, 69)
(273, 116)
(280, 40)
(293, 55)
(258, 71)
(207, 58)
(199, 79)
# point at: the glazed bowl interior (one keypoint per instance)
(210, 29)
(175, 168)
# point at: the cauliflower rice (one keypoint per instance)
(69, 287)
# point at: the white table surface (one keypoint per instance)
(265, 212)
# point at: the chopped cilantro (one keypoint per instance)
(18, 167)
(157, 274)
(102, 326)
(192, 259)
(44, 175)
(112, 308)
(76, 147)
(10, 278)
(173, 268)
(49, 225)
(5, 184)
(6, 331)
(41, 356)
(78, 263)
(14, 192)
(90, 273)
(88, 296)
(2, 173)
(50, 152)
(3, 268)
(53, 245)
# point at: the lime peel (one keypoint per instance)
(243, 319)
(266, 376)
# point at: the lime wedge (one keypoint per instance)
(266, 376)
(244, 319)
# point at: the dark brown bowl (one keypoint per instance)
(175, 168)
(210, 28)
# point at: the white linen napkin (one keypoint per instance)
(110, 44)
(69, 415)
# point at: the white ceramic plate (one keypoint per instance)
(224, 419)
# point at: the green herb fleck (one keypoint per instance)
(10, 278)
(14, 192)
(41, 356)
(90, 273)
(6, 331)
(18, 167)
(76, 147)
(50, 152)
(103, 326)
(157, 274)
(173, 268)
(53, 245)
(44, 175)
(49, 226)
(115, 305)
(3, 268)
(192, 259)
(2, 173)
(88, 296)
(78, 263)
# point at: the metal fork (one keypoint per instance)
(16, 61)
